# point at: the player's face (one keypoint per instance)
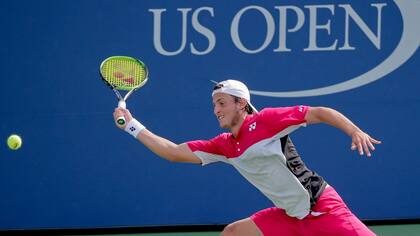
(227, 111)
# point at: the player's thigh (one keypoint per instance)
(245, 227)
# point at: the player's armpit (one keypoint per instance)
(184, 154)
(166, 148)
(313, 115)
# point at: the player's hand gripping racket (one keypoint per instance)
(123, 73)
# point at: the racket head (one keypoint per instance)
(124, 73)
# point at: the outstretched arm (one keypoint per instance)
(360, 140)
(160, 146)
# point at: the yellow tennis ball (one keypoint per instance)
(14, 142)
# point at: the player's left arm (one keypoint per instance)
(360, 140)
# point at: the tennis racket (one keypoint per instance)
(122, 73)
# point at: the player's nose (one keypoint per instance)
(216, 110)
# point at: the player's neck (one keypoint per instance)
(237, 126)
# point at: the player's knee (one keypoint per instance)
(230, 230)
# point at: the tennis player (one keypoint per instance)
(258, 146)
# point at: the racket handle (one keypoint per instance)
(121, 104)
(121, 119)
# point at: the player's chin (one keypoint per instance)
(223, 125)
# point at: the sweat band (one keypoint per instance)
(134, 127)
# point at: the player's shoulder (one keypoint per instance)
(281, 111)
(222, 137)
(271, 110)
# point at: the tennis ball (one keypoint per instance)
(14, 142)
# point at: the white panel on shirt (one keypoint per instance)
(264, 165)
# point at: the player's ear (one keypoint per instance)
(243, 103)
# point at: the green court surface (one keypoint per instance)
(380, 230)
(397, 230)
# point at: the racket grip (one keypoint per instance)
(121, 119)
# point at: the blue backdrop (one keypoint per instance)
(77, 170)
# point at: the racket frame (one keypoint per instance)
(122, 100)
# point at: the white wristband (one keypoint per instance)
(134, 127)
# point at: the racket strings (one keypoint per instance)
(123, 74)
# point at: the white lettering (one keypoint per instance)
(313, 27)
(157, 31)
(235, 25)
(283, 25)
(376, 40)
(204, 31)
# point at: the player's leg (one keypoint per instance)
(274, 222)
(336, 218)
(245, 227)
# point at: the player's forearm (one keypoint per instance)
(160, 146)
(334, 118)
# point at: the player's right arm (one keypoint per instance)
(160, 146)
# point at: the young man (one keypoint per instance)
(258, 146)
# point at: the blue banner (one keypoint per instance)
(77, 170)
